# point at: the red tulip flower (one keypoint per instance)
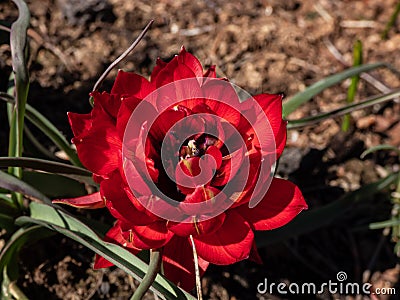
(185, 154)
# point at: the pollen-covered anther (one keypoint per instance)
(196, 226)
(130, 236)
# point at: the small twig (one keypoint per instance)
(196, 270)
(358, 24)
(152, 271)
(195, 31)
(322, 12)
(122, 56)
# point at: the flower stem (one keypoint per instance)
(148, 279)
(122, 56)
(196, 270)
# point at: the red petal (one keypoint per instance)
(166, 74)
(164, 122)
(144, 164)
(91, 201)
(80, 123)
(191, 62)
(100, 262)
(159, 66)
(231, 243)
(125, 113)
(281, 204)
(100, 149)
(216, 156)
(211, 72)
(254, 256)
(154, 235)
(230, 165)
(110, 103)
(222, 98)
(248, 179)
(179, 265)
(115, 236)
(196, 228)
(208, 196)
(272, 106)
(132, 85)
(118, 203)
(192, 172)
(140, 186)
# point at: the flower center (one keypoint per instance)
(196, 147)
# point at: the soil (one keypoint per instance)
(263, 46)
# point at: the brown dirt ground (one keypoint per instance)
(263, 46)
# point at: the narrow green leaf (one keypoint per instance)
(391, 21)
(60, 221)
(36, 148)
(53, 133)
(16, 291)
(378, 148)
(293, 103)
(292, 124)
(14, 184)
(384, 224)
(313, 219)
(43, 165)
(6, 199)
(53, 185)
(5, 293)
(42, 123)
(351, 92)
(18, 44)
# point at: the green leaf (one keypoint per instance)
(18, 44)
(293, 103)
(41, 122)
(14, 184)
(316, 218)
(378, 148)
(53, 185)
(7, 200)
(43, 165)
(62, 222)
(351, 92)
(5, 293)
(53, 133)
(35, 148)
(292, 124)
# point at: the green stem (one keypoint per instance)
(391, 22)
(351, 92)
(152, 271)
(120, 58)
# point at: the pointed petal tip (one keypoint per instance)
(92, 201)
